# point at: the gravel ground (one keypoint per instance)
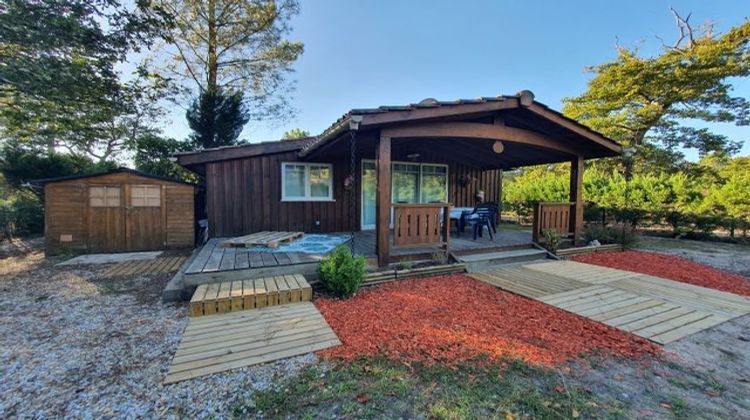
(702, 376)
(724, 256)
(76, 345)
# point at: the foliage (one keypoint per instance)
(714, 195)
(153, 155)
(295, 133)
(217, 119)
(440, 257)
(58, 83)
(650, 102)
(21, 212)
(622, 234)
(552, 239)
(379, 388)
(19, 166)
(341, 272)
(235, 45)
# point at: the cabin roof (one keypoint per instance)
(430, 108)
(522, 104)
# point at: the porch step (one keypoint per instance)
(239, 295)
(481, 262)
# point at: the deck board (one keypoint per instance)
(651, 307)
(249, 337)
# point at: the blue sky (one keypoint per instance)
(383, 52)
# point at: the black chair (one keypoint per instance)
(484, 215)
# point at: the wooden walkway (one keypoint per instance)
(651, 307)
(218, 343)
(214, 257)
(155, 265)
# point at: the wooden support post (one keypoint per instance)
(576, 197)
(447, 227)
(383, 200)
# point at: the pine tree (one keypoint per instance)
(217, 119)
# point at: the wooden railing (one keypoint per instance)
(551, 216)
(421, 224)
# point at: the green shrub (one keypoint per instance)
(341, 272)
(552, 239)
(598, 232)
(623, 234)
(20, 215)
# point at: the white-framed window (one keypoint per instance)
(145, 195)
(104, 196)
(434, 183)
(306, 181)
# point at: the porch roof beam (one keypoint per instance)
(480, 131)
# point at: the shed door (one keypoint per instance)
(146, 226)
(106, 219)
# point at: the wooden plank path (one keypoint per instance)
(232, 340)
(155, 265)
(239, 295)
(651, 307)
(213, 257)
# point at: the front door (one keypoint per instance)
(146, 213)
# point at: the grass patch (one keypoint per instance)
(370, 388)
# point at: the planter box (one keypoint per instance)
(392, 275)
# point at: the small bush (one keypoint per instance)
(622, 234)
(598, 232)
(440, 257)
(552, 239)
(341, 272)
(626, 236)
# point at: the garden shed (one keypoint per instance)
(121, 210)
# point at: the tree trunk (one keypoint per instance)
(213, 67)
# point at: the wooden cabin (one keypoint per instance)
(121, 210)
(397, 171)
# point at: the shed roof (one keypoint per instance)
(108, 172)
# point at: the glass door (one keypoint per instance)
(369, 190)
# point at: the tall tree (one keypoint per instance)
(234, 45)
(649, 102)
(216, 119)
(295, 133)
(58, 83)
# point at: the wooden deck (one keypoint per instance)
(651, 307)
(218, 343)
(364, 243)
(155, 265)
(215, 263)
(239, 295)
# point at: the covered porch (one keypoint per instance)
(411, 165)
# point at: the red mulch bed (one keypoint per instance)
(670, 267)
(451, 319)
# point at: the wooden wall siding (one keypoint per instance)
(64, 215)
(117, 229)
(180, 216)
(244, 195)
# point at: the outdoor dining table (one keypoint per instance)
(459, 214)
